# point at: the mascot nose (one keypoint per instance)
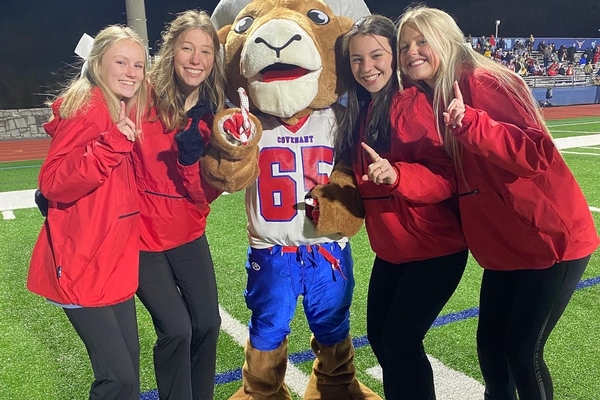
(294, 38)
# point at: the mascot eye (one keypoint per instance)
(243, 25)
(318, 17)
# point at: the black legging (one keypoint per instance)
(110, 336)
(178, 288)
(403, 301)
(517, 312)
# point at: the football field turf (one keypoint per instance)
(42, 358)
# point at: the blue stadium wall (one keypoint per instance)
(568, 96)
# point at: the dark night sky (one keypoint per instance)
(37, 44)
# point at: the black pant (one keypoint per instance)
(110, 336)
(179, 289)
(517, 312)
(403, 301)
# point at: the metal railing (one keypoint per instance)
(541, 81)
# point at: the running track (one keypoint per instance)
(36, 149)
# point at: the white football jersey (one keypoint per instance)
(290, 165)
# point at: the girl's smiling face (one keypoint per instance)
(371, 62)
(417, 59)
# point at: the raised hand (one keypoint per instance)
(127, 126)
(239, 124)
(380, 170)
(456, 110)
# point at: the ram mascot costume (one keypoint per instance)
(281, 52)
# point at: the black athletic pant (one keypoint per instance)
(110, 336)
(179, 290)
(517, 312)
(403, 301)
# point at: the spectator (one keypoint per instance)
(571, 54)
(583, 61)
(529, 43)
(596, 57)
(541, 47)
(546, 52)
(569, 71)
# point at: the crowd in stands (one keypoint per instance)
(544, 59)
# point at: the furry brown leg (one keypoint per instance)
(334, 375)
(263, 374)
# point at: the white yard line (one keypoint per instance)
(580, 153)
(550, 125)
(8, 214)
(294, 378)
(577, 141)
(577, 132)
(594, 209)
(449, 384)
(16, 200)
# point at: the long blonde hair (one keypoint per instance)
(79, 91)
(167, 97)
(456, 59)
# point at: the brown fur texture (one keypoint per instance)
(340, 204)
(324, 37)
(263, 373)
(290, 100)
(334, 375)
(228, 165)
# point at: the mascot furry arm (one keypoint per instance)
(336, 207)
(231, 162)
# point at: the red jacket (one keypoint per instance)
(87, 251)
(416, 218)
(174, 200)
(520, 205)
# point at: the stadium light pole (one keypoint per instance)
(497, 23)
(136, 18)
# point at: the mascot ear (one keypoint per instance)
(223, 32)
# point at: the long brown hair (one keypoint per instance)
(167, 98)
(377, 133)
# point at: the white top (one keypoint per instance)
(290, 165)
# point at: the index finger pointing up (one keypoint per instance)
(457, 92)
(122, 113)
(372, 153)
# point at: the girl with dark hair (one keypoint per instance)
(406, 181)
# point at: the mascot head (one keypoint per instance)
(282, 53)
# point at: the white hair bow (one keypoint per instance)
(83, 49)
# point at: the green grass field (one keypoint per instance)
(42, 358)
